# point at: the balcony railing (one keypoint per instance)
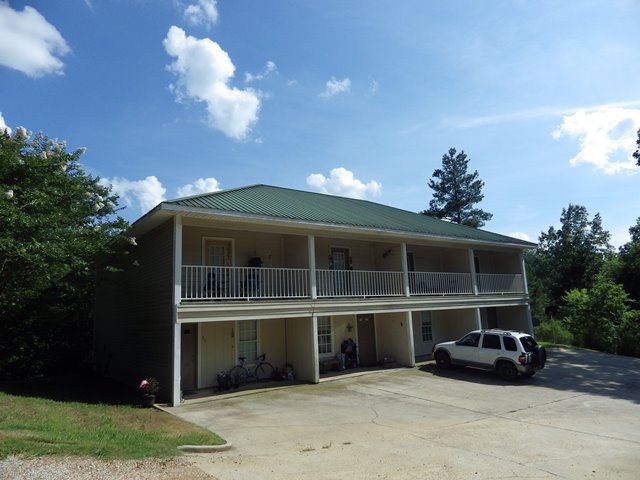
(500, 283)
(236, 283)
(229, 283)
(437, 283)
(359, 283)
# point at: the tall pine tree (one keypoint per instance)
(455, 192)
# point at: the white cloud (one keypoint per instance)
(334, 87)
(30, 44)
(520, 236)
(3, 125)
(341, 182)
(142, 195)
(269, 68)
(204, 12)
(202, 185)
(204, 71)
(607, 137)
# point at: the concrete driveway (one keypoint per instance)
(579, 418)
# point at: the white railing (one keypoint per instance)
(440, 283)
(206, 283)
(359, 283)
(233, 283)
(500, 283)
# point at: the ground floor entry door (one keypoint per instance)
(367, 340)
(188, 356)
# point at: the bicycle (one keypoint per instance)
(263, 371)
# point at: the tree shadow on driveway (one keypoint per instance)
(575, 369)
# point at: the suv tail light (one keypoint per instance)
(523, 359)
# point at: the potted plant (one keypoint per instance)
(149, 387)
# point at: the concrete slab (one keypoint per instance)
(578, 418)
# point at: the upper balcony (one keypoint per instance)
(206, 283)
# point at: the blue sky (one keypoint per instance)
(355, 98)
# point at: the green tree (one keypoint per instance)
(455, 192)
(56, 222)
(600, 317)
(629, 259)
(571, 257)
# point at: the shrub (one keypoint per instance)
(554, 331)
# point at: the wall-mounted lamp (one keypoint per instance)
(349, 327)
(386, 253)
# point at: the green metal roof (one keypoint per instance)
(297, 205)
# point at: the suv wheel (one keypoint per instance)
(507, 371)
(443, 360)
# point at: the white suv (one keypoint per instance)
(507, 352)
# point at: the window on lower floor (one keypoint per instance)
(325, 343)
(248, 340)
(426, 327)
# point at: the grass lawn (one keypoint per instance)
(89, 417)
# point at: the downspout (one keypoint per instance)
(176, 393)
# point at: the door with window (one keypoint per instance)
(422, 334)
(217, 254)
(490, 349)
(340, 263)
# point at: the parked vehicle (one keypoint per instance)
(508, 353)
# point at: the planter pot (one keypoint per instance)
(148, 401)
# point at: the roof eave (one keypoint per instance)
(166, 210)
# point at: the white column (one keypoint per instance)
(315, 355)
(472, 269)
(478, 319)
(412, 348)
(405, 269)
(524, 274)
(311, 245)
(526, 292)
(177, 294)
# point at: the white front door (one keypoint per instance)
(423, 334)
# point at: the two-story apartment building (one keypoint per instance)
(294, 274)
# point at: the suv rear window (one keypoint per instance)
(528, 343)
(491, 341)
(510, 344)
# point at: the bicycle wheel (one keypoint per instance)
(238, 376)
(264, 371)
